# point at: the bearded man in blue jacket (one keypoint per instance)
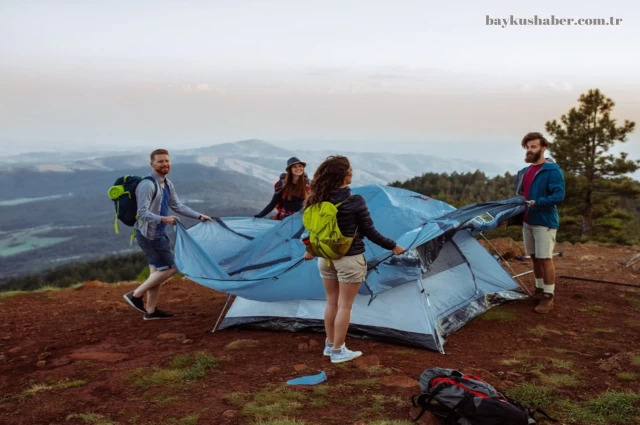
(542, 185)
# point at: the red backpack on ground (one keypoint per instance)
(459, 399)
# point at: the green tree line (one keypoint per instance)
(111, 269)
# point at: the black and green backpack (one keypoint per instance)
(123, 195)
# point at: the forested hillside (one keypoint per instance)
(616, 215)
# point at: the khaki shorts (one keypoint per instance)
(348, 269)
(539, 240)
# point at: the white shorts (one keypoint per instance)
(539, 241)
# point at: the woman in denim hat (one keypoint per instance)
(290, 191)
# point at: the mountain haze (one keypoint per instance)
(262, 160)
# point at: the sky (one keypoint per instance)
(412, 75)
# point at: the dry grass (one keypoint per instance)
(499, 314)
(90, 418)
(183, 368)
(561, 364)
(45, 289)
(627, 376)
(53, 385)
(241, 343)
(274, 403)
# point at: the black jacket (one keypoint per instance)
(354, 213)
(292, 206)
(287, 206)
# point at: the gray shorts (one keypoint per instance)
(539, 240)
(348, 269)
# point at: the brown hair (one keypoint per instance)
(329, 176)
(291, 189)
(158, 152)
(534, 136)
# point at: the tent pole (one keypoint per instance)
(522, 274)
(517, 277)
(599, 281)
(430, 316)
(221, 313)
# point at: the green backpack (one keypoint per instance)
(325, 238)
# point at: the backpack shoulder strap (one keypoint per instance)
(428, 401)
(155, 186)
(278, 187)
(340, 203)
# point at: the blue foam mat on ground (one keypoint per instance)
(309, 380)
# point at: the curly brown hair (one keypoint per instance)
(329, 176)
(534, 136)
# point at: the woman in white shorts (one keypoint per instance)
(342, 277)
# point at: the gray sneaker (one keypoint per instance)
(344, 355)
(327, 349)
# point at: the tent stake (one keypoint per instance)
(600, 281)
(221, 313)
(523, 274)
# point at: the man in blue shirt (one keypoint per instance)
(151, 233)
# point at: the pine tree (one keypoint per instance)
(580, 145)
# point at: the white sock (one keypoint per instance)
(539, 283)
(548, 289)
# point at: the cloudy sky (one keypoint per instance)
(403, 75)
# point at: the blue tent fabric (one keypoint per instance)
(462, 282)
(262, 260)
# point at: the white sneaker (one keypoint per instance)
(344, 355)
(327, 349)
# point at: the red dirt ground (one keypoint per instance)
(91, 334)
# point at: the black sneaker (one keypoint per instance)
(157, 315)
(134, 302)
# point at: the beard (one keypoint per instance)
(531, 158)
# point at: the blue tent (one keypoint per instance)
(419, 298)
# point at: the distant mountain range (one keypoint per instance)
(55, 209)
(257, 159)
(50, 217)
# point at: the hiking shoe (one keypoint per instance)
(135, 302)
(344, 355)
(537, 294)
(327, 349)
(157, 315)
(546, 304)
